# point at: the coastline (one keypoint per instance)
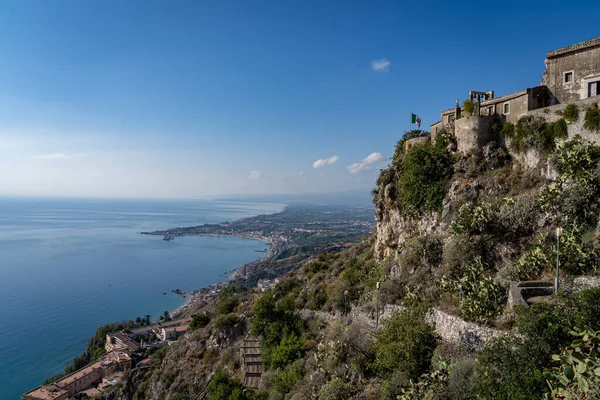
(201, 294)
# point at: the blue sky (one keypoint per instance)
(200, 98)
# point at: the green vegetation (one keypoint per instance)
(223, 387)
(199, 321)
(404, 345)
(468, 107)
(481, 292)
(571, 113)
(592, 119)
(578, 373)
(534, 133)
(424, 172)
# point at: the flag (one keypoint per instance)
(415, 119)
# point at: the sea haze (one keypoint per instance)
(69, 266)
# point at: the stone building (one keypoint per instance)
(107, 369)
(573, 72)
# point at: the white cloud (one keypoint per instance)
(257, 175)
(324, 161)
(53, 156)
(380, 65)
(365, 164)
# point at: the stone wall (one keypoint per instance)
(472, 132)
(574, 128)
(418, 141)
(449, 328)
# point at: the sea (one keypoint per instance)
(68, 266)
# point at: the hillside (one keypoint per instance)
(421, 309)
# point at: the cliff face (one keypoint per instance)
(471, 177)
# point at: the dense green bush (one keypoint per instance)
(507, 369)
(199, 321)
(285, 379)
(424, 175)
(223, 387)
(592, 119)
(405, 344)
(571, 113)
(280, 327)
(226, 304)
(288, 351)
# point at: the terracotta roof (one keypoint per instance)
(575, 47)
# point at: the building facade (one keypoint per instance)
(573, 72)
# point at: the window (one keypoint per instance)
(506, 108)
(568, 77)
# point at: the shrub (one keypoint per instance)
(473, 220)
(463, 250)
(578, 374)
(285, 380)
(199, 321)
(430, 385)
(469, 107)
(227, 321)
(506, 369)
(535, 133)
(517, 217)
(461, 379)
(571, 113)
(422, 252)
(576, 158)
(288, 351)
(508, 130)
(222, 387)
(405, 344)
(592, 119)
(226, 304)
(335, 389)
(425, 171)
(481, 292)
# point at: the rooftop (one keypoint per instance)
(48, 392)
(575, 47)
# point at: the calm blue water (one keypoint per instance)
(69, 266)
